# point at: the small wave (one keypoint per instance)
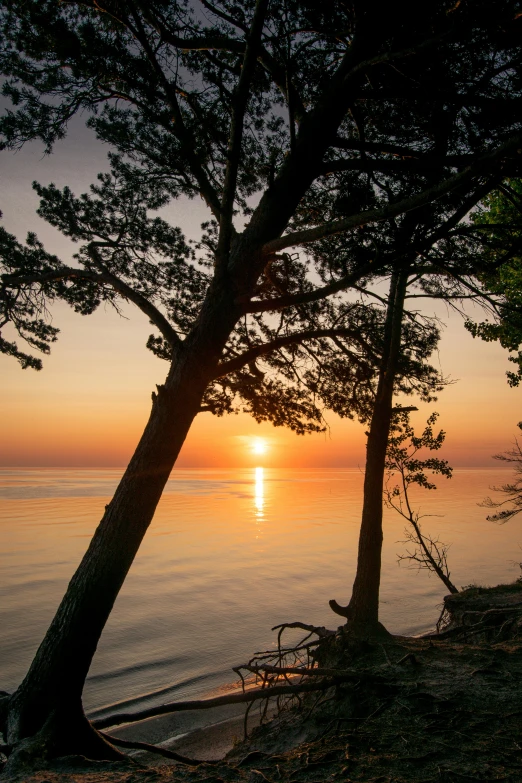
(157, 697)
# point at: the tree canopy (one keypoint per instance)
(337, 148)
(226, 102)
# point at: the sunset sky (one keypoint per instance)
(89, 404)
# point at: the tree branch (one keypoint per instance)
(103, 278)
(392, 210)
(205, 704)
(224, 44)
(168, 754)
(424, 164)
(376, 147)
(466, 206)
(206, 189)
(239, 106)
(223, 15)
(290, 339)
(278, 303)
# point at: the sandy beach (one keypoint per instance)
(202, 734)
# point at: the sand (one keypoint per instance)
(203, 734)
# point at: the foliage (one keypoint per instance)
(512, 490)
(403, 460)
(498, 227)
(425, 97)
(25, 308)
(336, 147)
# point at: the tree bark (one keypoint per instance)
(364, 603)
(362, 612)
(50, 695)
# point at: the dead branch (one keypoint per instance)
(318, 672)
(402, 460)
(429, 553)
(168, 754)
(204, 704)
(343, 611)
(321, 631)
(408, 657)
(271, 653)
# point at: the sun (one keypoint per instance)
(259, 446)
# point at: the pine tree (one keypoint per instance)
(299, 126)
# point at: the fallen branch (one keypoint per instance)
(304, 672)
(168, 754)
(218, 701)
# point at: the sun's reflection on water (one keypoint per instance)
(259, 492)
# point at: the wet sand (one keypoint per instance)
(202, 734)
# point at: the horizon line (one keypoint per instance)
(229, 467)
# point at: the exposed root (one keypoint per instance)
(295, 670)
(168, 754)
(219, 701)
(373, 707)
(321, 631)
(63, 734)
(492, 623)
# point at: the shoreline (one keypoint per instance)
(210, 741)
(201, 734)
(396, 716)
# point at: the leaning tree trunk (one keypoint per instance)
(364, 603)
(47, 707)
(362, 612)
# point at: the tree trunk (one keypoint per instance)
(362, 612)
(48, 702)
(364, 603)
(49, 699)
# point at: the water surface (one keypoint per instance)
(230, 554)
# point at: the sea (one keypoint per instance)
(230, 554)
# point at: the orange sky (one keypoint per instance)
(88, 405)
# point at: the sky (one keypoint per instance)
(88, 406)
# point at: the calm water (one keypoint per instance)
(229, 555)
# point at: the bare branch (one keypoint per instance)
(168, 754)
(319, 630)
(205, 704)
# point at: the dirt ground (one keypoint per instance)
(439, 710)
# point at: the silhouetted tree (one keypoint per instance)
(512, 490)
(299, 126)
(406, 467)
(495, 234)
